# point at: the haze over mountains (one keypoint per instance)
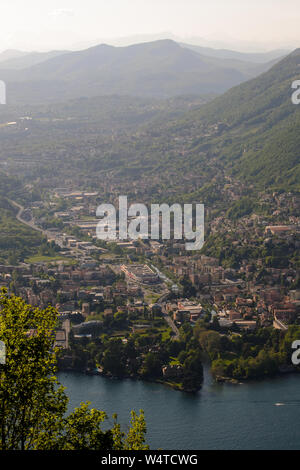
(252, 57)
(17, 60)
(11, 54)
(158, 69)
(214, 41)
(252, 130)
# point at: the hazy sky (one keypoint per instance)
(43, 24)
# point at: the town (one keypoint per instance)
(148, 290)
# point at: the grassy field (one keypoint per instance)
(49, 259)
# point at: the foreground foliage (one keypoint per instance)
(33, 405)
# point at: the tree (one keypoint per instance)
(152, 366)
(28, 395)
(189, 289)
(114, 358)
(33, 405)
(135, 439)
(193, 370)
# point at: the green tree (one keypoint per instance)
(152, 366)
(28, 395)
(113, 357)
(33, 405)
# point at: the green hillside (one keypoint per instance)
(258, 138)
(173, 149)
(17, 241)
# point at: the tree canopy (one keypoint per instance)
(33, 405)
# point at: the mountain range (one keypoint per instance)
(251, 57)
(158, 69)
(252, 130)
(17, 60)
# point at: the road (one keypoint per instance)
(160, 300)
(172, 325)
(31, 224)
(26, 222)
(167, 318)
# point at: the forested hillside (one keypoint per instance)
(258, 127)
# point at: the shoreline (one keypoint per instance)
(175, 385)
(167, 383)
(288, 370)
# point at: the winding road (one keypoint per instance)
(30, 224)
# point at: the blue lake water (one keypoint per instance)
(258, 415)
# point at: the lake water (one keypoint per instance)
(258, 415)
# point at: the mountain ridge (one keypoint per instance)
(259, 140)
(159, 69)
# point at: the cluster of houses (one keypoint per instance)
(184, 310)
(236, 296)
(140, 273)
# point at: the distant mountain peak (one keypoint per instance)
(161, 68)
(11, 54)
